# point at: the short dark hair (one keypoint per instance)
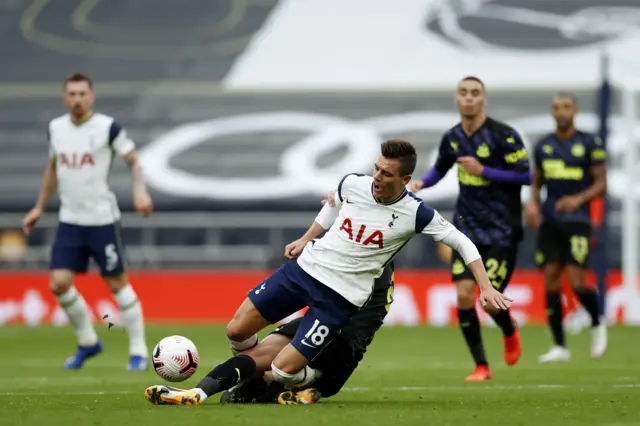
(77, 77)
(403, 151)
(568, 95)
(473, 78)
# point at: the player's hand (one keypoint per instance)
(532, 215)
(293, 250)
(416, 186)
(331, 199)
(471, 165)
(568, 203)
(494, 299)
(30, 219)
(143, 203)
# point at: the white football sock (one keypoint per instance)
(203, 396)
(132, 320)
(78, 312)
(244, 345)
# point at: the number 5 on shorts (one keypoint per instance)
(111, 254)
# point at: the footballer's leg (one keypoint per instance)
(577, 264)
(328, 312)
(500, 263)
(69, 256)
(107, 249)
(468, 317)
(550, 258)
(267, 303)
(257, 389)
(337, 362)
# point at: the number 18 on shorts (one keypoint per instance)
(290, 289)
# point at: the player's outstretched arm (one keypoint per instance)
(48, 188)
(429, 221)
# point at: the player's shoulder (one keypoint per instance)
(103, 119)
(549, 138)
(423, 212)
(354, 182)
(410, 203)
(60, 121)
(588, 137)
(451, 131)
(500, 127)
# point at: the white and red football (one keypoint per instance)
(175, 358)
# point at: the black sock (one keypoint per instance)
(471, 330)
(228, 374)
(589, 299)
(554, 314)
(505, 322)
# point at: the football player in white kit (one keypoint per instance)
(82, 145)
(374, 217)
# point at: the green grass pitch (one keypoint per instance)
(410, 376)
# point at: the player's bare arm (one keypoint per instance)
(323, 221)
(293, 250)
(141, 199)
(49, 187)
(570, 203)
(532, 213)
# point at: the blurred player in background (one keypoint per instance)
(373, 218)
(492, 167)
(82, 145)
(571, 164)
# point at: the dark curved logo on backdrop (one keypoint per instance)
(533, 24)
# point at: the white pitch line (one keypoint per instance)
(472, 387)
(70, 393)
(469, 388)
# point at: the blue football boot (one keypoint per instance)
(138, 363)
(83, 353)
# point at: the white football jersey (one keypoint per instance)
(84, 154)
(366, 236)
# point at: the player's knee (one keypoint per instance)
(237, 333)
(552, 275)
(466, 294)
(577, 277)
(60, 281)
(117, 282)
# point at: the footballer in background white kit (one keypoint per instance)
(82, 145)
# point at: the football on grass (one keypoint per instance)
(175, 358)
